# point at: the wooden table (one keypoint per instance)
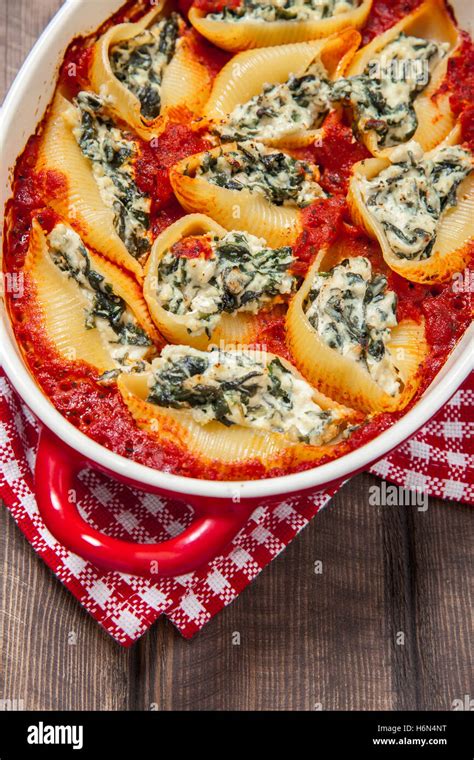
(384, 626)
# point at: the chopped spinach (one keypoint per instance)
(139, 63)
(238, 273)
(280, 178)
(111, 152)
(408, 197)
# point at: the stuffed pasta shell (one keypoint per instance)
(345, 338)
(101, 197)
(419, 206)
(248, 186)
(242, 24)
(206, 285)
(392, 85)
(232, 406)
(145, 69)
(279, 95)
(93, 310)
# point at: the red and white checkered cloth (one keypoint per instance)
(437, 460)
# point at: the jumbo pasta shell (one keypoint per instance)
(339, 376)
(217, 444)
(249, 33)
(186, 81)
(233, 209)
(430, 21)
(80, 201)
(455, 236)
(245, 75)
(63, 304)
(232, 329)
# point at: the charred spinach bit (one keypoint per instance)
(276, 368)
(111, 307)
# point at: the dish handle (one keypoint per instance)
(57, 467)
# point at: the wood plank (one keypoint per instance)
(53, 655)
(442, 539)
(21, 23)
(308, 641)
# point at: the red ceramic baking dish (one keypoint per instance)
(221, 507)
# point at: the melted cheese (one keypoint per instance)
(282, 109)
(277, 176)
(409, 197)
(139, 63)
(124, 339)
(285, 10)
(353, 312)
(249, 389)
(111, 155)
(382, 97)
(237, 273)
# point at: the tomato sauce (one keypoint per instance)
(215, 6)
(384, 14)
(97, 409)
(192, 248)
(335, 155)
(153, 164)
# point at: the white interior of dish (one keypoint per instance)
(22, 110)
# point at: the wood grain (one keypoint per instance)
(329, 640)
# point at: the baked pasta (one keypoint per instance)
(238, 237)
(248, 185)
(234, 406)
(206, 285)
(419, 206)
(93, 310)
(146, 69)
(392, 85)
(279, 95)
(239, 25)
(345, 337)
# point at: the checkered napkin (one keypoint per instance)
(436, 460)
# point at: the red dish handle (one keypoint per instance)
(57, 467)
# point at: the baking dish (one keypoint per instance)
(221, 508)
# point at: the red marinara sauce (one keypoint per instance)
(192, 247)
(98, 409)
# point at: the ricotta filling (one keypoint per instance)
(111, 153)
(353, 313)
(235, 273)
(245, 388)
(140, 63)
(278, 177)
(409, 197)
(281, 110)
(285, 10)
(123, 337)
(382, 96)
